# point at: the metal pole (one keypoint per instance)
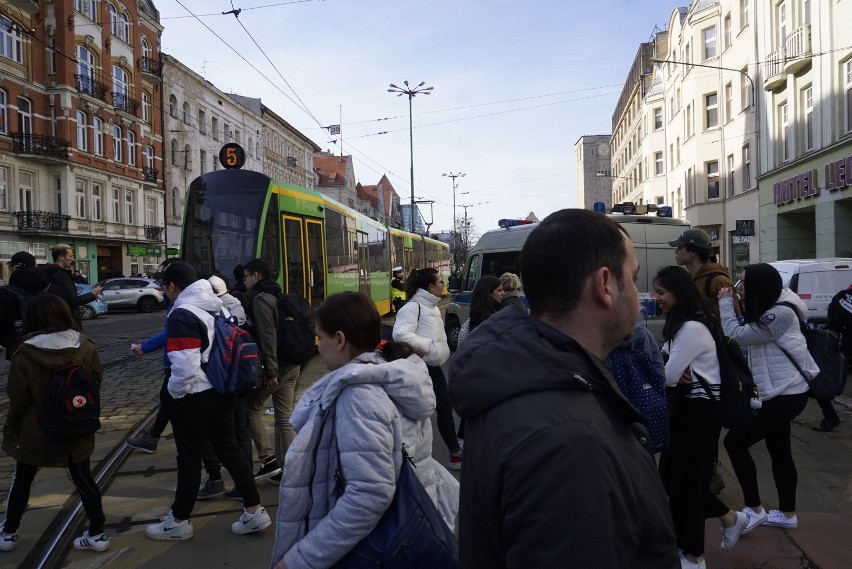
(411, 142)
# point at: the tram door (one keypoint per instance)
(409, 260)
(304, 261)
(363, 263)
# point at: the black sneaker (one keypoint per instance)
(211, 489)
(268, 468)
(145, 442)
(827, 424)
(234, 494)
(275, 479)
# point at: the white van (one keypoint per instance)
(816, 281)
(498, 251)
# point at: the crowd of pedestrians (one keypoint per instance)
(558, 467)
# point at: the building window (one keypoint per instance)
(784, 121)
(113, 19)
(187, 158)
(146, 49)
(202, 161)
(186, 112)
(677, 147)
(745, 88)
(3, 126)
(712, 169)
(658, 164)
(116, 205)
(658, 118)
(729, 102)
(730, 180)
(82, 139)
(808, 100)
(116, 143)
(251, 147)
(173, 106)
(671, 157)
(96, 202)
(120, 81)
(98, 136)
(746, 168)
(711, 110)
(781, 18)
(174, 152)
(848, 89)
(175, 204)
(25, 116)
(86, 69)
(80, 195)
(51, 57)
(88, 8)
(743, 13)
(709, 42)
(10, 40)
(202, 122)
(149, 156)
(729, 36)
(214, 127)
(4, 188)
(57, 193)
(150, 212)
(690, 187)
(227, 132)
(131, 147)
(124, 27)
(128, 207)
(688, 120)
(146, 107)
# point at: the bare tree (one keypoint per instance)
(461, 242)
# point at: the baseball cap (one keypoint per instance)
(694, 237)
(22, 258)
(219, 286)
(179, 273)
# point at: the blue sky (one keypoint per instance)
(516, 83)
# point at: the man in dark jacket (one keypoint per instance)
(557, 470)
(24, 279)
(59, 274)
(279, 377)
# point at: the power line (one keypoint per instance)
(243, 9)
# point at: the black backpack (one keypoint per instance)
(737, 389)
(72, 403)
(296, 333)
(11, 336)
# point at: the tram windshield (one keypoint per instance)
(221, 227)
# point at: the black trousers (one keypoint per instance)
(686, 467)
(771, 424)
(242, 435)
(81, 475)
(196, 418)
(444, 409)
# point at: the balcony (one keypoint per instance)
(775, 75)
(154, 233)
(87, 85)
(798, 47)
(124, 102)
(150, 68)
(150, 174)
(29, 7)
(42, 221)
(40, 145)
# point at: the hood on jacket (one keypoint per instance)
(54, 268)
(29, 279)
(711, 268)
(561, 364)
(199, 294)
(65, 340)
(788, 295)
(406, 381)
(425, 297)
(266, 285)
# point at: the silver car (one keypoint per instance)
(132, 292)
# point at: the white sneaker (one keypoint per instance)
(250, 523)
(95, 543)
(168, 529)
(687, 564)
(731, 535)
(754, 519)
(7, 542)
(777, 519)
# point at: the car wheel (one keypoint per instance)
(452, 328)
(87, 312)
(147, 303)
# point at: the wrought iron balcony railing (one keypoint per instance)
(149, 65)
(150, 174)
(124, 102)
(88, 86)
(153, 233)
(42, 221)
(41, 144)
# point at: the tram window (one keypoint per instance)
(271, 238)
(294, 257)
(317, 270)
(340, 242)
(419, 257)
(431, 255)
(378, 252)
(397, 251)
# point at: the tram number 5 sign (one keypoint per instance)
(232, 155)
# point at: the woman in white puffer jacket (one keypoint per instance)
(771, 331)
(419, 324)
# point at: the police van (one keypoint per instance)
(498, 251)
(816, 281)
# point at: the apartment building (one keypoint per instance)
(594, 177)
(806, 129)
(80, 133)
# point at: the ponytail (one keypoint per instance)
(417, 279)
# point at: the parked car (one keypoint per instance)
(816, 281)
(92, 309)
(132, 292)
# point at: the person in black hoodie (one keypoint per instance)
(24, 279)
(59, 274)
(558, 472)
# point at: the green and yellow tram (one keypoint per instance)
(315, 245)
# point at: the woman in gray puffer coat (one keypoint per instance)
(377, 397)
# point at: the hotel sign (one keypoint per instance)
(838, 176)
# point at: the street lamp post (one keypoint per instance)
(455, 227)
(411, 92)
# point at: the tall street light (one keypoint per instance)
(455, 227)
(411, 92)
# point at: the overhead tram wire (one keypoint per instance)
(244, 9)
